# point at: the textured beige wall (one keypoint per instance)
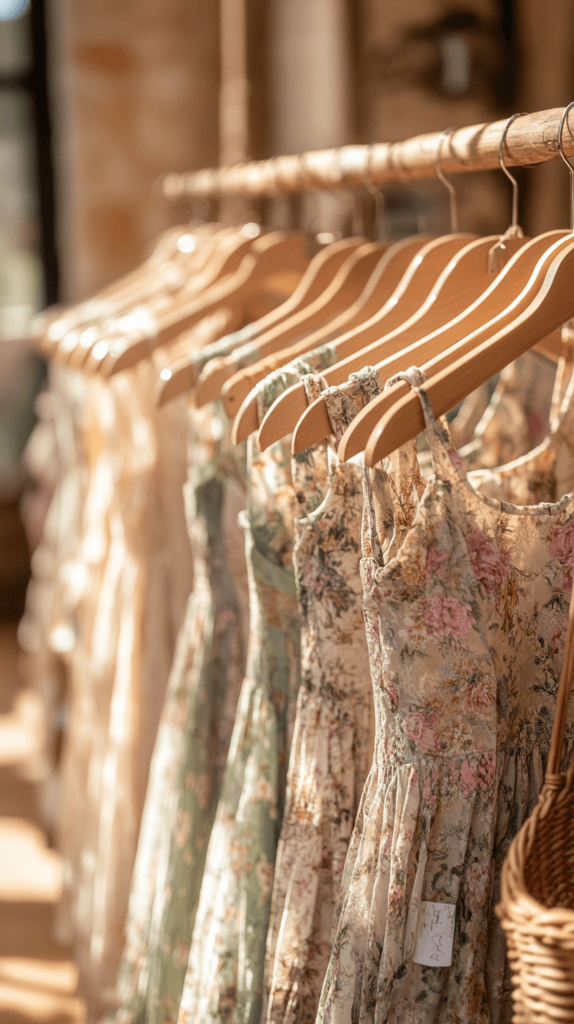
(136, 94)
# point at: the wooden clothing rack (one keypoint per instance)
(531, 139)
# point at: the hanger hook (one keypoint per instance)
(447, 184)
(377, 195)
(505, 170)
(567, 162)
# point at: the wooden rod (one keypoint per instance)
(531, 139)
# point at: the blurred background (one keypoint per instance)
(99, 98)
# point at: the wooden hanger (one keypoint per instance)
(342, 291)
(224, 251)
(552, 307)
(313, 423)
(515, 289)
(384, 278)
(427, 293)
(461, 284)
(498, 306)
(420, 277)
(317, 277)
(276, 261)
(160, 282)
(165, 270)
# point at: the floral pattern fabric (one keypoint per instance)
(194, 734)
(224, 978)
(546, 472)
(466, 608)
(332, 744)
(516, 417)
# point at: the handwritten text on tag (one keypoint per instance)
(435, 934)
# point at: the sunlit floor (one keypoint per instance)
(37, 978)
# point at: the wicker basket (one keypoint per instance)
(537, 903)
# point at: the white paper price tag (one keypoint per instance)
(435, 934)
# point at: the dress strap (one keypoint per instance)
(310, 468)
(275, 383)
(446, 460)
(344, 403)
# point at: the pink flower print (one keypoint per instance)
(455, 458)
(558, 641)
(480, 695)
(429, 798)
(395, 896)
(319, 949)
(477, 879)
(467, 778)
(562, 547)
(490, 564)
(445, 616)
(313, 579)
(434, 559)
(419, 728)
(390, 688)
(486, 770)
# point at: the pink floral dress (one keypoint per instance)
(466, 607)
(332, 745)
(546, 472)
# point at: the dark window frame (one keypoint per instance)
(34, 84)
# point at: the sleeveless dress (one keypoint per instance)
(194, 733)
(224, 978)
(516, 417)
(466, 607)
(546, 472)
(331, 752)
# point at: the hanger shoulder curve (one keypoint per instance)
(460, 280)
(291, 402)
(290, 406)
(422, 272)
(552, 307)
(318, 276)
(269, 256)
(344, 290)
(247, 417)
(497, 305)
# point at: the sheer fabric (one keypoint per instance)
(331, 751)
(466, 607)
(226, 963)
(195, 730)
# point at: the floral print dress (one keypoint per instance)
(466, 608)
(516, 417)
(546, 472)
(224, 980)
(332, 745)
(194, 732)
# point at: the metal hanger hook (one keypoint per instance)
(505, 170)
(377, 195)
(567, 162)
(446, 183)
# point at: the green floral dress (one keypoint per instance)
(224, 979)
(332, 745)
(466, 608)
(194, 734)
